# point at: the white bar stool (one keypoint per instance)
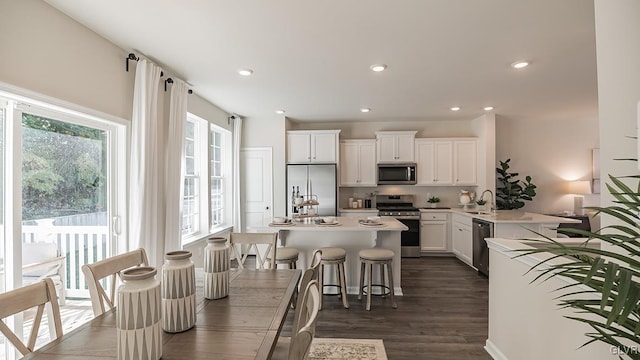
(334, 256)
(382, 257)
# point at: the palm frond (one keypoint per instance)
(604, 292)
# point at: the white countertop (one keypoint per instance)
(514, 247)
(516, 216)
(346, 224)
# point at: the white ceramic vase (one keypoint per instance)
(139, 315)
(216, 268)
(178, 292)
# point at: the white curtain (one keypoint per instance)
(174, 155)
(237, 136)
(144, 211)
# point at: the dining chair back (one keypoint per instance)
(27, 297)
(110, 267)
(243, 243)
(302, 336)
(311, 273)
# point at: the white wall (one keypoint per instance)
(618, 52)
(270, 132)
(45, 51)
(552, 151)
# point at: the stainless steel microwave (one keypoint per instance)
(397, 174)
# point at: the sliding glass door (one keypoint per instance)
(63, 193)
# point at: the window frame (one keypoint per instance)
(203, 144)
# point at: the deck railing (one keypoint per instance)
(80, 244)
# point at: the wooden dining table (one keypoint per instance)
(244, 325)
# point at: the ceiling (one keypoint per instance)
(312, 58)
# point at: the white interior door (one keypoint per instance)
(257, 187)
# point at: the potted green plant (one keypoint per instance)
(611, 305)
(511, 192)
(433, 201)
(481, 203)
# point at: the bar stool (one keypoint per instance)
(382, 257)
(287, 255)
(334, 256)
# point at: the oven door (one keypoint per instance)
(410, 239)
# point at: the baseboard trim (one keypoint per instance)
(493, 351)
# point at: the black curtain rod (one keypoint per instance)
(133, 57)
(170, 81)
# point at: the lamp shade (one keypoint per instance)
(580, 187)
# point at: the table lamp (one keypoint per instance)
(579, 188)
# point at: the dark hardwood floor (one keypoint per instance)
(442, 315)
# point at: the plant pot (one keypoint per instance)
(433, 205)
(178, 292)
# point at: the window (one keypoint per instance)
(190, 210)
(207, 165)
(217, 176)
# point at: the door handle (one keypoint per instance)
(267, 208)
(115, 225)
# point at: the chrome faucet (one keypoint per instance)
(492, 206)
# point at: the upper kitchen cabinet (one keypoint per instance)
(358, 163)
(446, 161)
(434, 162)
(312, 146)
(465, 162)
(395, 146)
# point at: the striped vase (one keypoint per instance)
(216, 268)
(139, 325)
(178, 292)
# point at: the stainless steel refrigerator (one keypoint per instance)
(318, 180)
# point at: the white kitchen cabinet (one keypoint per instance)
(395, 146)
(312, 146)
(446, 161)
(465, 160)
(434, 231)
(358, 163)
(434, 162)
(462, 238)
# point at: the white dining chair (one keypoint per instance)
(242, 244)
(297, 346)
(35, 295)
(112, 267)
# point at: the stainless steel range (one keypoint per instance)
(401, 207)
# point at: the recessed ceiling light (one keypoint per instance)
(378, 67)
(365, 110)
(488, 108)
(279, 111)
(245, 72)
(520, 64)
(455, 108)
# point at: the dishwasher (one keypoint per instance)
(481, 230)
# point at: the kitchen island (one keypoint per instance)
(349, 235)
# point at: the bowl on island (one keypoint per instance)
(329, 219)
(279, 220)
